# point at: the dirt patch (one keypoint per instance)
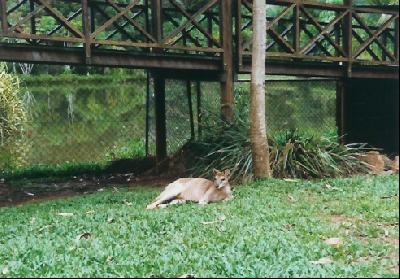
(39, 191)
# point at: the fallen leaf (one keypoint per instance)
(65, 214)
(221, 219)
(85, 235)
(325, 260)
(5, 270)
(386, 233)
(45, 227)
(334, 242)
(291, 180)
(128, 203)
(291, 198)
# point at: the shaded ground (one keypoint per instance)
(25, 191)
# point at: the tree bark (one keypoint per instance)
(259, 142)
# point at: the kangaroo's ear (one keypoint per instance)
(215, 171)
(227, 173)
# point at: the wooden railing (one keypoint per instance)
(327, 32)
(297, 30)
(138, 25)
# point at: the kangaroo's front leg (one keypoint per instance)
(205, 199)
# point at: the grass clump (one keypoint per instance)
(292, 154)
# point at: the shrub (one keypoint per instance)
(12, 120)
(292, 154)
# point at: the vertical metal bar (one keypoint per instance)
(86, 31)
(227, 99)
(147, 113)
(190, 104)
(3, 13)
(199, 112)
(348, 36)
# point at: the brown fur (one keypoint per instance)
(380, 163)
(198, 190)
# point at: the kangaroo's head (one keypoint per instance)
(221, 178)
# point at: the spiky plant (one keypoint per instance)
(292, 153)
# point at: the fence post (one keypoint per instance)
(227, 98)
(199, 113)
(190, 104)
(159, 87)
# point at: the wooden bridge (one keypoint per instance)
(207, 41)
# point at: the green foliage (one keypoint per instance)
(133, 149)
(12, 112)
(264, 234)
(292, 154)
(13, 117)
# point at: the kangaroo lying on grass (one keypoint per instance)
(198, 190)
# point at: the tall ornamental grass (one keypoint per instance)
(13, 117)
(293, 154)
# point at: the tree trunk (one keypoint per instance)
(259, 143)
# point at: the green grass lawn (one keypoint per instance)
(271, 228)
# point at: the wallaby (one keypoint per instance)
(199, 190)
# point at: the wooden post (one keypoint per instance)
(348, 36)
(227, 98)
(86, 31)
(3, 13)
(189, 97)
(159, 87)
(156, 19)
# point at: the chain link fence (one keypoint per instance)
(97, 119)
